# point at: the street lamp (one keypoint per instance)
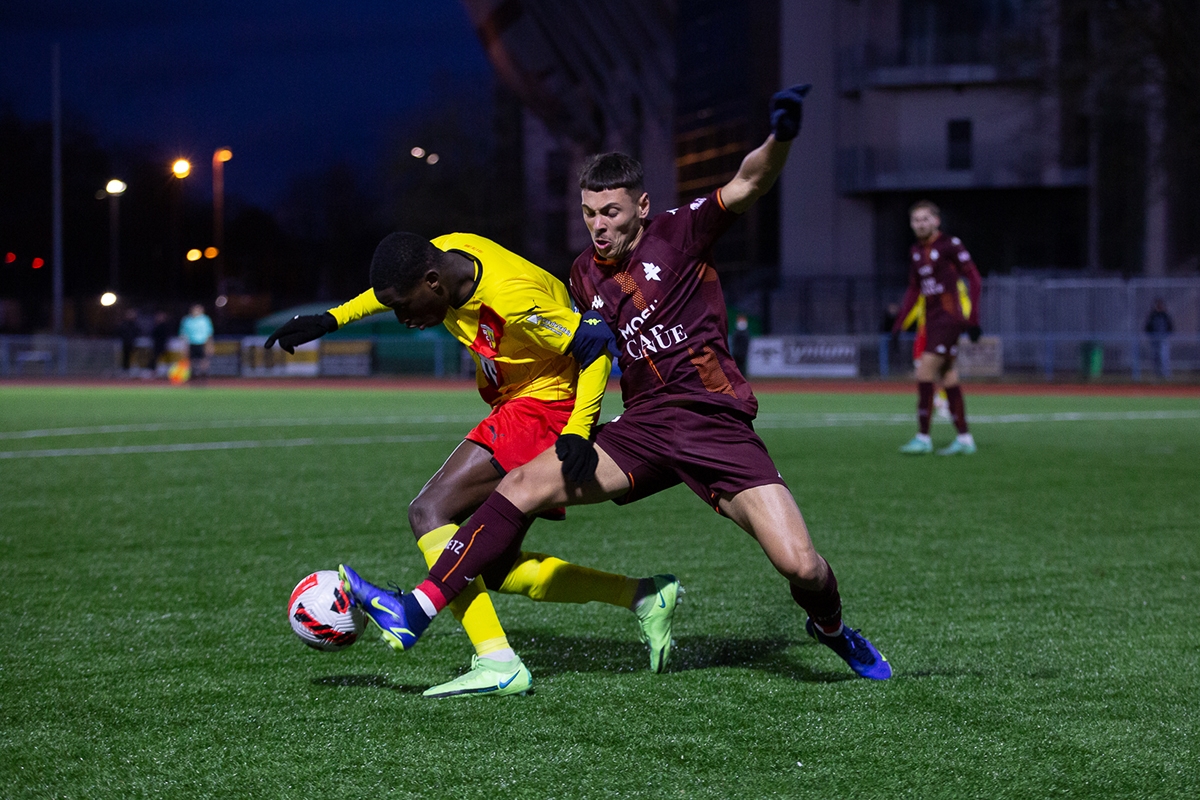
(114, 189)
(181, 168)
(220, 156)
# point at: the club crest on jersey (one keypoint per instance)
(652, 271)
(488, 334)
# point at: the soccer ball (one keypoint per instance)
(322, 614)
(179, 372)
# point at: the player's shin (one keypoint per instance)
(484, 538)
(824, 605)
(473, 608)
(552, 580)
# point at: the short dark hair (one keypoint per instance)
(928, 204)
(611, 171)
(401, 260)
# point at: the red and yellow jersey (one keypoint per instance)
(518, 325)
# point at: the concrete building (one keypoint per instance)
(974, 104)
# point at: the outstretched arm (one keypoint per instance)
(761, 167)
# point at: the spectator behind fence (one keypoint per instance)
(1160, 327)
(160, 334)
(197, 329)
(128, 330)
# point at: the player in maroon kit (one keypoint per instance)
(937, 264)
(688, 410)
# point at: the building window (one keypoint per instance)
(958, 144)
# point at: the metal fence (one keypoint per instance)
(1049, 328)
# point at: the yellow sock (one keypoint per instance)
(552, 580)
(473, 607)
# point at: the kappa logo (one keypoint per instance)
(672, 211)
(597, 302)
(592, 321)
(652, 271)
(699, 201)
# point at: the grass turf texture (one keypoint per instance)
(1038, 602)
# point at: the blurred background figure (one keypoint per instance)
(1160, 327)
(159, 335)
(128, 331)
(740, 341)
(197, 330)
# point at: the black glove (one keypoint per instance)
(787, 112)
(974, 332)
(300, 329)
(578, 456)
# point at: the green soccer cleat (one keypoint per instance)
(654, 613)
(487, 678)
(917, 446)
(958, 448)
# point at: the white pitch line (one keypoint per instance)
(154, 427)
(765, 421)
(851, 420)
(247, 444)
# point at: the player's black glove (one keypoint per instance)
(787, 112)
(592, 338)
(974, 332)
(300, 329)
(578, 456)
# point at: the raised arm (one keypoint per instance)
(761, 166)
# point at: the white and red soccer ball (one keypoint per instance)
(322, 614)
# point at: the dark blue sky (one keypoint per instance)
(289, 87)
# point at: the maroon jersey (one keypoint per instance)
(664, 302)
(933, 273)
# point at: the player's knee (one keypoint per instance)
(424, 514)
(805, 569)
(525, 491)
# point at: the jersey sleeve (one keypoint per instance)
(537, 318)
(967, 270)
(364, 305)
(908, 303)
(695, 227)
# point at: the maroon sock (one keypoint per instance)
(924, 405)
(823, 605)
(484, 537)
(958, 407)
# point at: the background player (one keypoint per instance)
(936, 264)
(529, 347)
(688, 410)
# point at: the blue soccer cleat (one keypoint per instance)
(855, 650)
(384, 608)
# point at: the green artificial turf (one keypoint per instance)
(1039, 602)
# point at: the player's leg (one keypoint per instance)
(928, 368)
(964, 442)
(769, 513)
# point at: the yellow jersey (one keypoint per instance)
(518, 324)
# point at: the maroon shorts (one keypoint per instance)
(941, 335)
(710, 449)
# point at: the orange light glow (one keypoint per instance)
(210, 252)
(194, 254)
(181, 168)
(224, 154)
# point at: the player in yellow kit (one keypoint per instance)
(542, 368)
